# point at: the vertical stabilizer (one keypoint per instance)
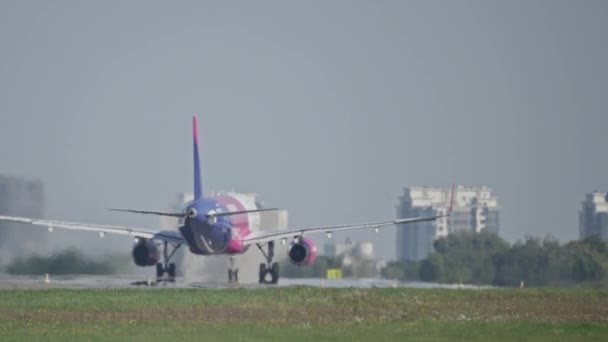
(198, 185)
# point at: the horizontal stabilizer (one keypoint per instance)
(147, 212)
(230, 213)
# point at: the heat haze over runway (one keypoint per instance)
(123, 282)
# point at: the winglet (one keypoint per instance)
(198, 186)
(452, 199)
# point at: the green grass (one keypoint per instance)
(304, 314)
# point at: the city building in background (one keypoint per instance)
(20, 197)
(475, 209)
(168, 222)
(356, 258)
(348, 249)
(593, 217)
(334, 249)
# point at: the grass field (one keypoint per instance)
(304, 314)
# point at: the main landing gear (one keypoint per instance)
(166, 267)
(269, 272)
(233, 272)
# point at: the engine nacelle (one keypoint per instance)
(303, 252)
(145, 252)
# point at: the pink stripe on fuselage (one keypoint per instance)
(240, 223)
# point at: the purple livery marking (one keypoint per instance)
(239, 223)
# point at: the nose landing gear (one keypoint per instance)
(233, 272)
(269, 272)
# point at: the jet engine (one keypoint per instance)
(302, 252)
(145, 252)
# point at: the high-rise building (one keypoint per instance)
(475, 209)
(593, 217)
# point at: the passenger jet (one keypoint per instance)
(217, 225)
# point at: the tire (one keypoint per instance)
(275, 273)
(263, 273)
(171, 272)
(160, 270)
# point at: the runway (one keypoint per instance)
(123, 282)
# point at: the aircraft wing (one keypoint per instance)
(169, 236)
(262, 237)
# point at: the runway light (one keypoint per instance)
(328, 235)
(51, 229)
(283, 241)
(102, 234)
(376, 230)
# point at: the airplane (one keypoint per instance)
(218, 225)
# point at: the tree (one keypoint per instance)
(393, 270)
(485, 258)
(468, 256)
(432, 268)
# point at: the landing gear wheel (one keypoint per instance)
(233, 276)
(275, 273)
(171, 272)
(166, 267)
(263, 271)
(269, 267)
(160, 271)
(233, 271)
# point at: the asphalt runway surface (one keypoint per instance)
(123, 282)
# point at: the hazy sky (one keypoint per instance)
(325, 108)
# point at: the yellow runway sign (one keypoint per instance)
(334, 273)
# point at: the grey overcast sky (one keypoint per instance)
(325, 108)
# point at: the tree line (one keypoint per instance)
(485, 258)
(69, 261)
